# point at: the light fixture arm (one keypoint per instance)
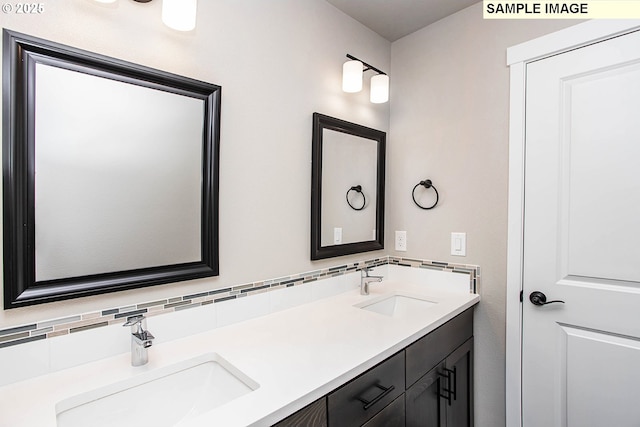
(367, 66)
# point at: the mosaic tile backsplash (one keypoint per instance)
(71, 324)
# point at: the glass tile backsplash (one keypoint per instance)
(16, 335)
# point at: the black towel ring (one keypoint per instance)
(358, 189)
(426, 184)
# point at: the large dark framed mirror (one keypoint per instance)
(347, 188)
(110, 174)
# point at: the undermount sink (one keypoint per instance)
(161, 398)
(397, 305)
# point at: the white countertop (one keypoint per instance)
(296, 356)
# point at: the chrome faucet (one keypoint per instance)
(141, 339)
(365, 280)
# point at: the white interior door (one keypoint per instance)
(581, 358)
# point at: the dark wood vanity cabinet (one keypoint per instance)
(427, 384)
(393, 415)
(440, 376)
(313, 415)
(443, 397)
(459, 410)
(424, 406)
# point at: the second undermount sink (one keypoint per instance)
(397, 305)
(161, 398)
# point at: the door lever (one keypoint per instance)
(538, 298)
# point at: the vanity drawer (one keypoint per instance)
(360, 399)
(391, 416)
(428, 351)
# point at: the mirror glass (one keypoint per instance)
(110, 174)
(347, 203)
(93, 192)
(348, 216)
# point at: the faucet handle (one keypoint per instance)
(365, 273)
(134, 320)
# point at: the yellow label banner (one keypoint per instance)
(588, 9)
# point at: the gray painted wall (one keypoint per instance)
(449, 123)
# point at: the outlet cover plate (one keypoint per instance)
(401, 241)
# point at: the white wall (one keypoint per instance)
(277, 62)
(449, 123)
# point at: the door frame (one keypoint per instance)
(517, 58)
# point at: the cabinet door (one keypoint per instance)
(425, 407)
(313, 415)
(391, 416)
(431, 349)
(459, 365)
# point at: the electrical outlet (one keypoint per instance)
(459, 244)
(401, 241)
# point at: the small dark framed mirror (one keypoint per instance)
(110, 174)
(347, 188)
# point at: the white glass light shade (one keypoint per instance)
(352, 76)
(105, 1)
(379, 89)
(179, 14)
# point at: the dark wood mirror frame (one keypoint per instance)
(321, 122)
(21, 53)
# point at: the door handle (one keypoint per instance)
(538, 298)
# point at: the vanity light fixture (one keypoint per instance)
(379, 89)
(179, 14)
(352, 76)
(352, 73)
(176, 14)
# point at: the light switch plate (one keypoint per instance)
(337, 235)
(459, 244)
